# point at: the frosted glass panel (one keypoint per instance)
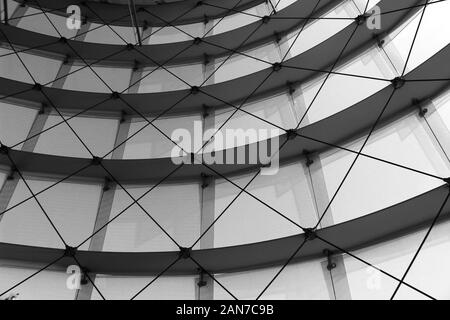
(298, 281)
(36, 21)
(175, 207)
(427, 43)
(103, 34)
(151, 143)
(46, 285)
(174, 78)
(362, 4)
(164, 288)
(240, 65)
(237, 20)
(319, 30)
(341, 91)
(276, 110)
(373, 185)
(26, 224)
(248, 220)
(61, 140)
(15, 123)
(43, 70)
(171, 34)
(82, 78)
(11, 67)
(281, 4)
(428, 272)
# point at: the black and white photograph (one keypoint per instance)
(232, 158)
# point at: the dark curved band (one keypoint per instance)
(319, 57)
(170, 11)
(148, 55)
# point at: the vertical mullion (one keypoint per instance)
(7, 191)
(205, 284)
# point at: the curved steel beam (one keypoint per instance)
(319, 57)
(213, 46)
(380, 226)
(111, 12)
(335, 129)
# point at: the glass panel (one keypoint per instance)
(175, 207)
(362, 4)
(240, 65)
(11, 67)
(171, 34)
(276, 110)
(150, 143)
(15, 123)
(281, 4)
(373, 185)
(164, 288)
(74, 219)
(341, 91)
(171, 78)
(43, 70)
(427, 43)
(103, 34)
(238, 20)
(298, 281)
(46, 285)
(84, 79)
(319, 30)
(249, 220)
(61, 140)
(428, 272)
(39, 22)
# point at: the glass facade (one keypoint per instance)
(405, 157)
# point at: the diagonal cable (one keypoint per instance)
(88, 277)
(430, 228)
(372, 266)
(94, 157)
(212, 277)
(156, 278)
(32, 275)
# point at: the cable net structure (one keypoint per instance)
(100, 198)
